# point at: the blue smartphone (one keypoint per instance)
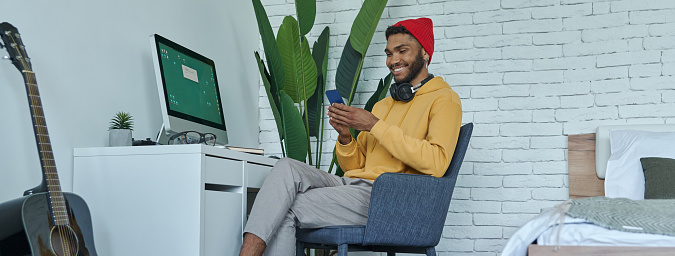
(334, 97)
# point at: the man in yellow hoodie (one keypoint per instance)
(413, 131)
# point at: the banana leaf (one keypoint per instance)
(295, 140)
(299, 67)
(315, 103)
(306, 10)
(315, 108)
(351, 62)
(274, 101)
(348, 70)
(276, 71)
(365, 24)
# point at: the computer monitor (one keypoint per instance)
(188, 91)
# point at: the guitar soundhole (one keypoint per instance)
(64, 241)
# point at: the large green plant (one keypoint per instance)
(294, 75)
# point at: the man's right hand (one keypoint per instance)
(345, 135)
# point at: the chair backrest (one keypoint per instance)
(416, 219)
(460, 150)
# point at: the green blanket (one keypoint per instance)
(653, 216)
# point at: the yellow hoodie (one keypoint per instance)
(411, 137)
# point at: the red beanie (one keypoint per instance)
(423, 30)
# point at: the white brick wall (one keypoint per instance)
(529, 72)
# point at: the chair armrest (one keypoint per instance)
(408, 209)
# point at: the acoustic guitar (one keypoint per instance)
(46, 221)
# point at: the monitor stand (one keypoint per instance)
(162, 136)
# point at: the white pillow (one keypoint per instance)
(624, 176)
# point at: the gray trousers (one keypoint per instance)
(295, 194)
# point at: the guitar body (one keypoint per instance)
(39, 236)
(46, 239)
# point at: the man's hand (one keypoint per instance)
(345, 136)
(343, 116)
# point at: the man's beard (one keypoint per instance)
(414, 68)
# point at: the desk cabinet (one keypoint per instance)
(167, 200)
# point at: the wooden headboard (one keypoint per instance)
(583, 180)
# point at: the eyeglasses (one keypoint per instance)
(192, 137)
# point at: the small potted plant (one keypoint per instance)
(120, 129)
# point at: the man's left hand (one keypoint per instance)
(357, 118)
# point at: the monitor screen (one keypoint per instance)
(188, 90)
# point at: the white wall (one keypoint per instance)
(529, 73)
(92, 59)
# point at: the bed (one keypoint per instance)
(551, 234)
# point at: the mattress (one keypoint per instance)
(576, 232)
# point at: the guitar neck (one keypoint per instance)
(50, 177)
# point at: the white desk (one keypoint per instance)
(167, 200)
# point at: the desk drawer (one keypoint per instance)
(223, 223)
(221, 171)
(256, 174)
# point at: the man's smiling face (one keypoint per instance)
(405, 58)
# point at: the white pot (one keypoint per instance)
(119, 137)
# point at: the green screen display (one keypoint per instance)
(191, 87)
